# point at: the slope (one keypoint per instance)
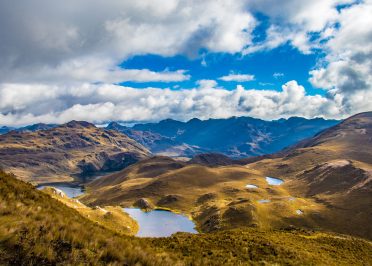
(36, 229)
(335, 169)
(75, 149)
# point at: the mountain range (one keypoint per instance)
(236, 137)
(321, 201)
(327, 177)
(66, 152)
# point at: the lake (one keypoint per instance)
(274, 181)
(160, 223)
(71, 190)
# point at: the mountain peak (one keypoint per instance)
(115, 125)
(75, 124)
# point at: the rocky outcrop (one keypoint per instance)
(143, 204)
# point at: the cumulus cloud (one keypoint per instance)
(237, 77)
(101, 103)
(296, 21)
(69, 39)
(59, 59)
(346, 72)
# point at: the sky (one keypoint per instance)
(149, 60)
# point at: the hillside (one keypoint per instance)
(36, 229)
(72, 150)
(327, 185)
(335, 169)
(216, 197)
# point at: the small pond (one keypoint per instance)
(264, 201)
(251, 186)
(274, 181)
(71, 190)
(160, 223)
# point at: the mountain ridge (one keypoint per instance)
(62, 153)
(329, 182)
(236, 137)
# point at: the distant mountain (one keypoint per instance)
(75, 149)
(327, 184)
(237, 137)
(36, 127)
(157, 143)
(30, 128)
(4, 130)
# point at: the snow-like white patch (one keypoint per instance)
(101, 209)
(251, 186)
(58, 192)
(299, 212)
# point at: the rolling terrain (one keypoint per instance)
(237, 137)
(37, 229)
(335, 169)
(65, 152)
(327, 185)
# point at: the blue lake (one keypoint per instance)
(70, 190)
(274, 181)
(160, 223)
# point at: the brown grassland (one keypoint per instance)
(36, 229)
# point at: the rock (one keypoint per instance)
(143, 204)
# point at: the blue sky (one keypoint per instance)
(121, 60)
(285, 61)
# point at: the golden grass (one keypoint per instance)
(37, 229)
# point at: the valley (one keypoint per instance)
(327, 185)
(316, 193)
(37, 228)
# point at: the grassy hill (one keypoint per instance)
(67, 151)
(36, 229)
(327, 185)
(335, 169)
(215, 197)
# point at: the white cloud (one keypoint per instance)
(278, 75)
(58, 41)
(237, 77)
(53, 51)
(101, 103)
(347, 69)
